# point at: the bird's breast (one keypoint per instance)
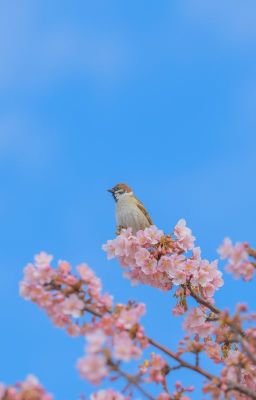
(128, 214)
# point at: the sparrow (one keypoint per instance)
(130, 212)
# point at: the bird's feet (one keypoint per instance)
(119, 229)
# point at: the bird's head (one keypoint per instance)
(120, 190)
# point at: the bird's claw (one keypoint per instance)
(119, 229)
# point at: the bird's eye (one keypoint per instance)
(119, 191)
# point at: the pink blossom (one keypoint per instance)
(184, 235)
(155, 368)
(28, 389)
(31, 273)
(179, 277)
(142, 238)
(108, 394)
(209, 290)
(150, 266)
(110, 249)
(106, 300)
(93, 368)
(2, 391)
(85, 273)
(64, 267)
(195, 323)
(153, 234)
(225, 249)
(164, 396)
(238, 259)
(128, 318)
(43, 259)
(187, 242)
(124, 349)
(196, 251)
(154, 259)
(72, 305)
(213, 351)
(181, 229)
(177, 394)
(178, 310)
(165, 263)
(142, 257)
(121, 246)
(95, 340)
(74, 330)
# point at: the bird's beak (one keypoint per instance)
(110, 190)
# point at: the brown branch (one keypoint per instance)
(251, 252)
(182, 362)
(133, 381)
(231, 385)
(232, 326)
(241, 389)
(240, 339)
(92, 311)
(202, 301)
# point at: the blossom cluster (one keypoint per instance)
(64, 296)
(233, 345)
(29, 389)
(157, 369)
(196, 345)
(164, 261)
(113, 333)
(159, 260)
(238, 259)
(178, 393)
(113, 338)
(236, 369)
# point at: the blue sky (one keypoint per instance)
(160, 95)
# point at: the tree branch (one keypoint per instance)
(232, 385)
(202, 301)
(133, 381)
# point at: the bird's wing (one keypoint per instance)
(143, 210)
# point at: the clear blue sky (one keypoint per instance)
(160, 95)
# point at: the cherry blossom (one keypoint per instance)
(73, 306)
(115, 339)
(61, 293)
(238, 259)
(96, 340)
(93, 367)
(195, 323)
(159, 260)
(184, 235)
(124, 348)
(156, 367)
(162, 261)
(28, 389)
(108, 394)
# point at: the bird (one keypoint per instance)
(130, 212)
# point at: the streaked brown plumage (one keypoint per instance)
(130, 212)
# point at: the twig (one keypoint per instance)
(251, 252)
(231, 385)
(133, 381)
(182, 362)
(202, 301)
